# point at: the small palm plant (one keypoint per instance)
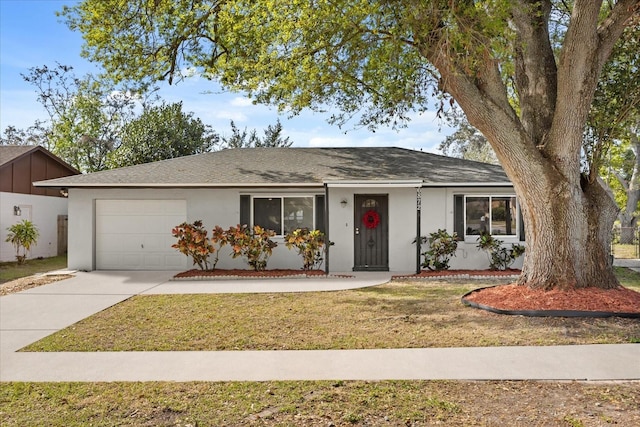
(22, 235)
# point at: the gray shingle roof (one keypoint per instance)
(9, 153)
(292, 166)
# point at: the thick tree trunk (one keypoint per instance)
(568, 233)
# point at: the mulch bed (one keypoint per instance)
(247, 274)
(24, 283)
(513, 297)
(509, 297)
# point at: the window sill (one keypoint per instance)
(505, 239)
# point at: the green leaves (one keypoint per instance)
(22, 235)
(244, 139)
(85, 114)
(162, 132)
(500, 258)
(310, 245)
(294, 55)
(441, 247)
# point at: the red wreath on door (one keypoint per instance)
(371, 219)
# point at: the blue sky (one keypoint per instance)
(31, 35)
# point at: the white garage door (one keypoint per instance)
(136, 234)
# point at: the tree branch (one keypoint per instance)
(623, 182)
(535, 67)
(611, 28)
(578, 75)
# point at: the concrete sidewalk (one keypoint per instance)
(589, 362)
(633, 264)
(33, 314)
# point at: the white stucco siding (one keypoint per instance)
(341, 229)
(43, 211)
(402, 230)
(434, 213)
(80, 252)
(212, 206)
(222, 207)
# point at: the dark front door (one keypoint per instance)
(371, 228)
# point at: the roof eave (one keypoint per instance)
(171, 185)
(468, 184)
(370, 183)
(329, 183)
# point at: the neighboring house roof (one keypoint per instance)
(10, 153)
(20, 165)
(293, 167)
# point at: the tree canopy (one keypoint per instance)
(85, 115)
(162, 132)
(94, 125)
(245, 139)
(467, 142)
(524, 72)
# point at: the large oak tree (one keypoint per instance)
(527, 92)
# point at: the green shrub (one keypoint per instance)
(23, 235)
(442, 246)
(500, 258)
(310, 245)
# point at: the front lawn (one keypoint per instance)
(395, 315)
(392, 315)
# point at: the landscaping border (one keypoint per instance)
(194, 275)
(460, 274)
(545, 313)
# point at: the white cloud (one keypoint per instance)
(319, 141)
(190, 72)
(239, 101)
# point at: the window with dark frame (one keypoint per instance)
(283, 214)
(477, 214)
(267, 213)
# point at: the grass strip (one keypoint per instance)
(337, 403)
(13, 270)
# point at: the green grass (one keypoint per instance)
(321, 403)
(12, 270)
(628, 278)
(318, 403)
